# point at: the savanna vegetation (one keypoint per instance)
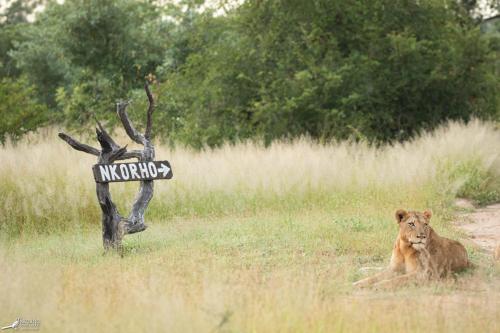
(295, 129)
(227, 71)
(269, 244)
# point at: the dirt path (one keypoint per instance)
(482, 225)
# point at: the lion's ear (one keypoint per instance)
(400, 215)
(427, 214)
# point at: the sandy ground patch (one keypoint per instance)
(482, 224)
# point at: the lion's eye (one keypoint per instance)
(411, 224)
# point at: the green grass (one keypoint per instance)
(276, 273)
(246, 239)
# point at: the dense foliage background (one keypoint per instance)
(378, 70)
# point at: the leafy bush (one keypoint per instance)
(19, 111)
(376, 70)
(381, 70)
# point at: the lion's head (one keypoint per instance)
(414, 227)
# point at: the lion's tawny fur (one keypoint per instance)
(419, 251)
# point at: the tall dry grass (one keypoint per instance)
(154, 293)
(46, 186)
(244, 238)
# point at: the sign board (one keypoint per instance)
(124, 172)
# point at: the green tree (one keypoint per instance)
(381, 70)
(13, 19)
(19, 111)
(84, 55)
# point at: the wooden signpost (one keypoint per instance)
(122, 172)
(114, 225)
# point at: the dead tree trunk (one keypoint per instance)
(115, 226)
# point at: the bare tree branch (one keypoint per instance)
(106, 146)
(130, 154)
(114, 226)
(104, 135)
(78, 145)
(116, 154)
(127, 124)
(149, 123)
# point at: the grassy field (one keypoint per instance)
(245, 238)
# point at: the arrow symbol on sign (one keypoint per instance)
(164, 169)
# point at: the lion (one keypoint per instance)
(419, 252)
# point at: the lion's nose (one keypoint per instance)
(421, 236)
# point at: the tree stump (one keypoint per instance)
(114, 225)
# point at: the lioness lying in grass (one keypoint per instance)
(419, 252)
